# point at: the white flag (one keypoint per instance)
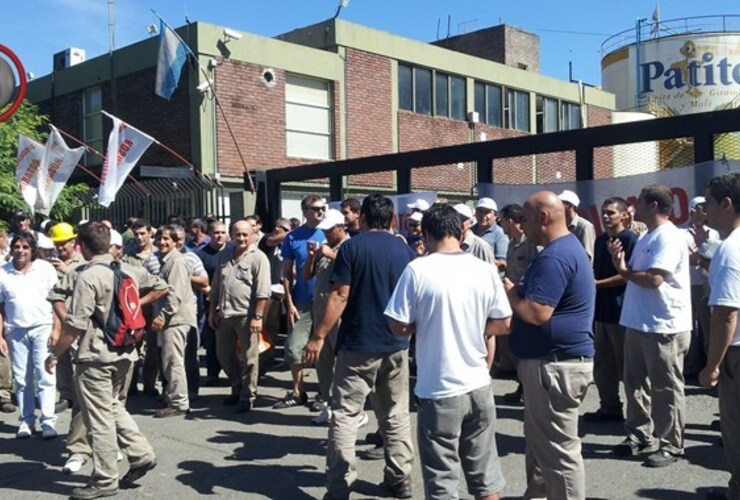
(655, 29)
(126, 145)
(58, 165)
(30, 157)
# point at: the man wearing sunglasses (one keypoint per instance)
(299, 294)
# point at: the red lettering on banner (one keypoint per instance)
(53, 169)
(30, 172)
(123, 150)
(25, 151)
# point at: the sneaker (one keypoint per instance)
(323, 418)
(48, 432)
(136, 473)
(600, 415)
(364, 419)
(243, 406)
(660, 458)
(291, 400)
(62, 405)
(514, 398)
(74, 463)
(119, 456)
(630, 448)
(319, 404)
(377, 453)
(170, 412)
(231, 400)
(88, 492)
(374, 438)
(400, 490)
(24, 431)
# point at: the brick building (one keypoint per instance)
(334, 90)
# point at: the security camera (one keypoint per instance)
(232, 35)
(204, 87)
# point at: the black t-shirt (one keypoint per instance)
(609, 300)
(371, 264)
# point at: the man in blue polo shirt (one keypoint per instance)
(552, 337)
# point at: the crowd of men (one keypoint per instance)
(356, 289)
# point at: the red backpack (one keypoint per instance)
(125, 324)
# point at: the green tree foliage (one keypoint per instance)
(28, 121)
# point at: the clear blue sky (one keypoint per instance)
(568, 30)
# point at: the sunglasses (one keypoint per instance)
(286, 229)
(317, 209)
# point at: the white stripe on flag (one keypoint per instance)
(171, 57)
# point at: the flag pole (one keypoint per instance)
(91, 149)
(216, 98)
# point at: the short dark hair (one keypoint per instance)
(95, 236)
(661, 195)
(308, 200)
(171, 229)
(377, 211)
(726, 186)
(441, 221)
(212, 225)
(294, 223)
(139, 223)
(256, 218)
(29, 238)
(352, 204)
(621, 203)
(512, 211)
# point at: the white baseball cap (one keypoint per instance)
(419, 204)
(570, 197)
(487, 203)
(464, 210)
(116, 238)
(44, 242)
(696, 200)
(416, 216)
(333, 217)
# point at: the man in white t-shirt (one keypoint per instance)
(723, 355)
(452, 317)
(657, 316)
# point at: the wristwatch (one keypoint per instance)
(258, 317)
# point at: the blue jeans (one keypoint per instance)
(29, 348)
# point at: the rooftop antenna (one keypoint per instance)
(449, 21)
(439, 21)
(111, 26)
(342, 4)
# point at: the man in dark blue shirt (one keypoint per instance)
(608, 333)
(369, 356)
(553, 339)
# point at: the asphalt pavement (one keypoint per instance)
(279, 454)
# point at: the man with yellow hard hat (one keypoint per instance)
(65, 242)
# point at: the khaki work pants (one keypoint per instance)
(553, 392)
(653, 383)
(609, 365)
(242, 369)
(356, 375)
(174, 340)
(6, 378)
(99, 386)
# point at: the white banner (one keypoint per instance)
(126, 145)
(29, 159)
(685, 183)
(58, 165)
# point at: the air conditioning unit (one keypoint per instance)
(68, 57)
(473, 117)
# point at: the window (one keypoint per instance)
(570, 116)
(516, 110)
(92, 124)
(308, 118)
(547, 114)
(430, 92)
(488, 103)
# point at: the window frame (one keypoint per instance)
(441, 105)
(92, 159)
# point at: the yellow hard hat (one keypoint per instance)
(62, 232)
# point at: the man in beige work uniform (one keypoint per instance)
(239, 293)
(174, 316)
(102, 370)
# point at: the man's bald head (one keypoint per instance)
(544, 217)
